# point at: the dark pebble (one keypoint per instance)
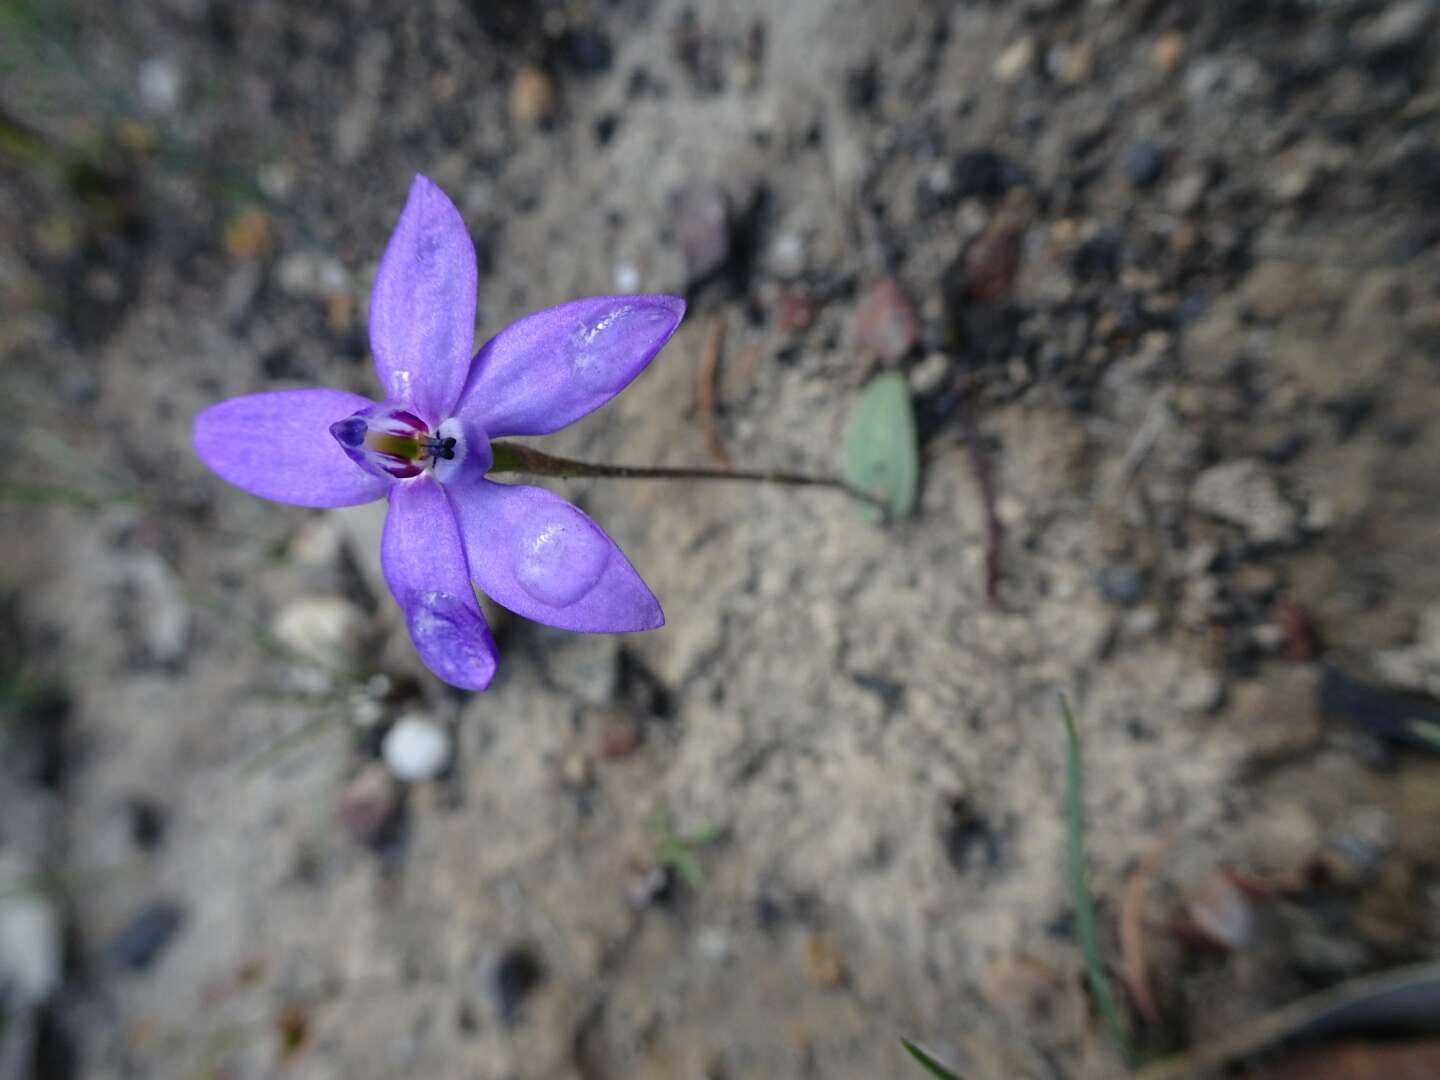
(967, 837)
(147, 823)
(1120, 583)
(984, 174)
(605, 128)
(588, 50)
(862, 87)
(517, 974)
(1144, 164)
(149, 933)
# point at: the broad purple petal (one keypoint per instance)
(534, 553)
(422, 309)
(424, 565)
(278, 446)
(551, 368)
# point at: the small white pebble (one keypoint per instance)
(416, 749)
(323, 629)
(627, 277)
(160, 84)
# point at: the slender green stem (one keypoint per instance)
(511, 457)
(1080, 890)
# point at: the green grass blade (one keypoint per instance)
(933, 1067)
(1080, 892)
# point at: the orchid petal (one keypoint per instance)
(424, 563)
(422, 309)
(557, 365)
(532, 552)
(278, 446)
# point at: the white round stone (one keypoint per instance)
(416, 749)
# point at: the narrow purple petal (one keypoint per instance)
(534, 553)
(557, 365)
(424, 565)
(278, 446)
(422, 309)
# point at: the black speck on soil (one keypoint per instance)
(968, 838)
(518, 973)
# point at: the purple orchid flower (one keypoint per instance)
(427, 446)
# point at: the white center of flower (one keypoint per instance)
(453, 448)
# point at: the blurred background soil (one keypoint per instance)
(1163, 279)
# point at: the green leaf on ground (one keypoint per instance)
(881, 451)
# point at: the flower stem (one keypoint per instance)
(513, 458)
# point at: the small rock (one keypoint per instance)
(249, 235)
(160, 84)
(1223, 914)
(276, 179)
(1245, 493)
(992, 261)
(619, 736)
(1186, 191)
(141, 943)
(416, 749)
(157, 601)
(1256, 580)
(304, 273)
(1276, 288)
(1144, 164)
(147, 823)
(1320, 513)
(577, 771)
(516, 975)
(1282, 840)
(648, 885)
(823, 962)
(797, 311)
(1071, 64)
(862, 86)
(886, 324)
(703, 228)
(368, 804)
(318, 544)
(713, 944)
(31, 950)
(1168, 51)
(1200, 691)
(589, 50)
(326, 630)
(930, 374)
(983, 174)
(787, 255)
(532, 96)
(1401, 25)
(627, 277)
(1360, 846)
(1298, 171)
(1016, 60)
(1121, 584)
(1141, 623)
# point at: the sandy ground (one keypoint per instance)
(1163, 278)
